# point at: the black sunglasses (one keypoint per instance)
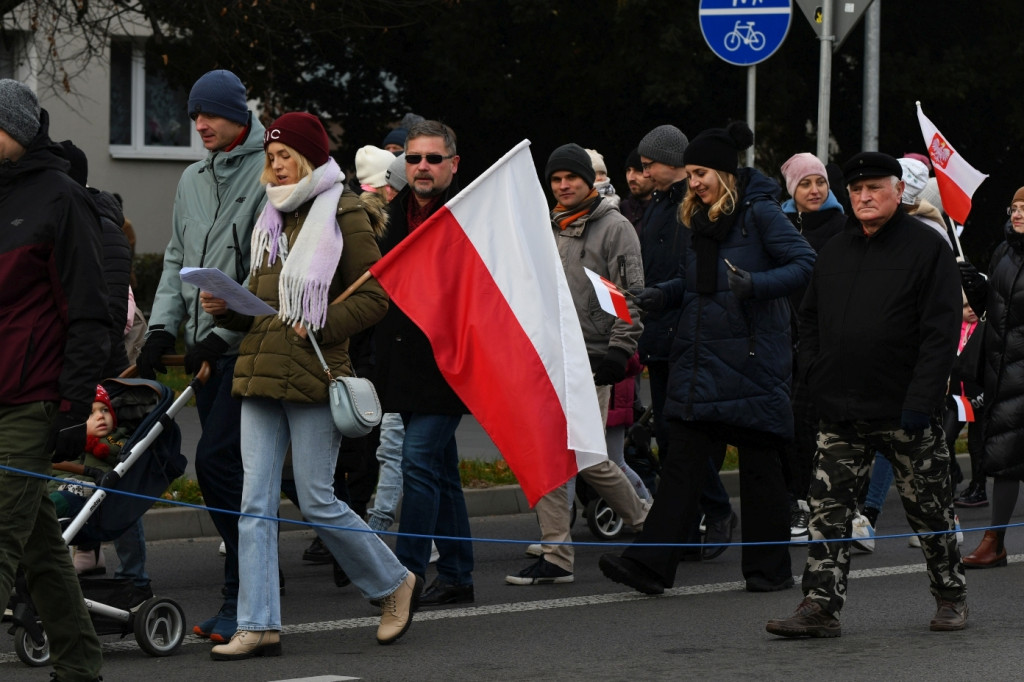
(432, 159)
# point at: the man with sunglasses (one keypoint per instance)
(410, 383)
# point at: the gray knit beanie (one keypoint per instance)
(571, 157)
(665, 144)
(395, 175)
(219, 93)
(19, 111)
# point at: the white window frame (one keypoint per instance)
(138, 149)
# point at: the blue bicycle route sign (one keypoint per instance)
(745, 32)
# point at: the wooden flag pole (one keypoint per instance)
(352, 287)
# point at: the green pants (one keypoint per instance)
(30, 536)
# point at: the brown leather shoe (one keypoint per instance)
(247, 644)
(989, 553)
(949, 616)
(809, 620)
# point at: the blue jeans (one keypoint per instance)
(268, 428)
(389, 481)
(219, 461)
(882, 476)
(433, 503)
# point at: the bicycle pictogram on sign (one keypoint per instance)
(744, 34)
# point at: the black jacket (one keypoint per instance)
(662, 244)
(407, 377)
(117, 268)
(1004, 360)
(880, 323)
(53, 299)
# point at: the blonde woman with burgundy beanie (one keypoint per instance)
(313, 239)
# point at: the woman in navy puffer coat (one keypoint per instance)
(731, 363)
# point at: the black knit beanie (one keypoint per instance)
(573, 158)
(633, 161)
(718, 148)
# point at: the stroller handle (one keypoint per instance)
(173, 361)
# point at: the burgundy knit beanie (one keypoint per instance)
(304, 133)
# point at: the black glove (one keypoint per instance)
(741, 283)
(975, 286)
(612, 368)
(157, 343)
(67, 438)
(209, 350)
(651, 299)
(913, 421)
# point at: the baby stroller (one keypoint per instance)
(150, 460)
(602, 520)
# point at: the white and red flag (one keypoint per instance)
(611, 300)
(483, 280)
(957, 179)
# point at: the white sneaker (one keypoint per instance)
(914, 541)
(863, 534)
(223, 550)
(800, 516)
(534, 550)
(959, 533)
(434, 554)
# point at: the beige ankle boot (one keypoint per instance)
(396, 609)
(247, 644)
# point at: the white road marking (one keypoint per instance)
(517, 607)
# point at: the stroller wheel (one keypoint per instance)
(159, 626)
(604, 523)
(30, 653)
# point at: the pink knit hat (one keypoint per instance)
(799, 166)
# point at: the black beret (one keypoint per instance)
(871, 165)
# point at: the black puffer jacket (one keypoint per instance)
(1004, 361)
(117, 269)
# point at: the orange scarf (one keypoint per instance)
(564, 220)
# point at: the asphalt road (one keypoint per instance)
(707, 627)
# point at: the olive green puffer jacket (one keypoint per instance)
(275, 362)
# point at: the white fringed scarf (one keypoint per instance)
(308, 269)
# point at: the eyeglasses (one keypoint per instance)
(1010, 210)
(646, 166)
(432, 159)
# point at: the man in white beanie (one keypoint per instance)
(55, 323)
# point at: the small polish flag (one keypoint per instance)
(611, 299)
(957, 179)
(964, 411)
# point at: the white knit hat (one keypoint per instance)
(371, 165)
(915, 177)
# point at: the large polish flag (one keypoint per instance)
(483, 280)
(957, 179)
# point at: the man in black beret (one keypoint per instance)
(878, 335)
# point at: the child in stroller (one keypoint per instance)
(149, 459)
(104, 442)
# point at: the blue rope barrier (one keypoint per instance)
(798, 543)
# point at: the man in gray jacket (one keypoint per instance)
(215, 208)
(590, 233)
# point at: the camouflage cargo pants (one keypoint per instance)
(841, 467)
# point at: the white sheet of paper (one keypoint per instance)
(238, 298)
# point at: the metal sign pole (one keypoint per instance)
(751, 107)
(825, 79)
